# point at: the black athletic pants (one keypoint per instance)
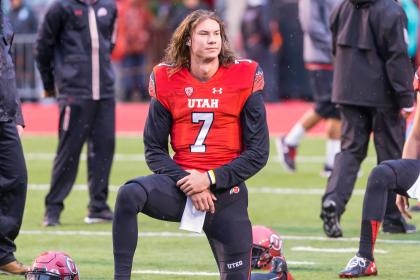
(83, 121)
(358, 123)
(228, 230)
(13, 185)
(396, 176)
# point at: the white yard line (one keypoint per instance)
(177, 273)
(333, 250)
(200, 273)
(195, 235)
(140, 157)
(256, 190)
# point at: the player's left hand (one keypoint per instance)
(19, 130)
(403, 204)
(196, 182)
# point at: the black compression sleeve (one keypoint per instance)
(256, 146)
(156, 132)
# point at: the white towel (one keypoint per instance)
(414, 191)
(192, 219)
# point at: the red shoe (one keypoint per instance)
(287, 154)
(359, 267)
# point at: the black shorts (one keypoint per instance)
(321, 84)
(228, 230)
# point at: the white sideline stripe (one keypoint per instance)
(178, 273)
(257, 190)
(196, 235)
(140, 157)
(333, 250)
(199, 273)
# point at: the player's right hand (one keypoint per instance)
(49, 93)
(203, 201)
(402, 204)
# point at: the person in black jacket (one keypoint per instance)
(372, 86)
(73, 56)
(13, 174)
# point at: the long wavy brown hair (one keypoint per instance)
(178, 53)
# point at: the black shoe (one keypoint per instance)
(329, 216)
(104, 216)
(398, 226)
(415, 208)
(51, 221)
(279, 268)
(359, 267)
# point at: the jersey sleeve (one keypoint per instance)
(152, 85)
(258, 80)
(158, 83)
(256, 146)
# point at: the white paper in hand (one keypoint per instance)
(192, 219)
(414, 191)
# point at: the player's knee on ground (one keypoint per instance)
(131, 197)
(382, 178)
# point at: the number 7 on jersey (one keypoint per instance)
(207, 119)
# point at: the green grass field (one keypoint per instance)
(294, 216)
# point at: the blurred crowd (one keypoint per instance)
(267, 31)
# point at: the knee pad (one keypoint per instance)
(131, 196)
(382, 176)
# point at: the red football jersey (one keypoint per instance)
(206, 130)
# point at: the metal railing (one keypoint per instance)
(28, 80)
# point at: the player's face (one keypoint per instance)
(206, 41)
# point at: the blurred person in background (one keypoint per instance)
(317, 53)
(73, 52)
(291, 76)
(180, 10)
(22, 18)
(372, 86)
(134, 36)
(412, 13)
(13, 173)
(256, 41)
(25, 25)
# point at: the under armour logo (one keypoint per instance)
(219, 90)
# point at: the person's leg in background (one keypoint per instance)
(287, 146)
(355, 134)
(74, 127)
(128, 75)
(141, 80)
(333, 129)
(13, 186)
(101, 146)
(321, 84)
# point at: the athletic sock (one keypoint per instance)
(332, 148)
(295, 135)
(368, 235)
